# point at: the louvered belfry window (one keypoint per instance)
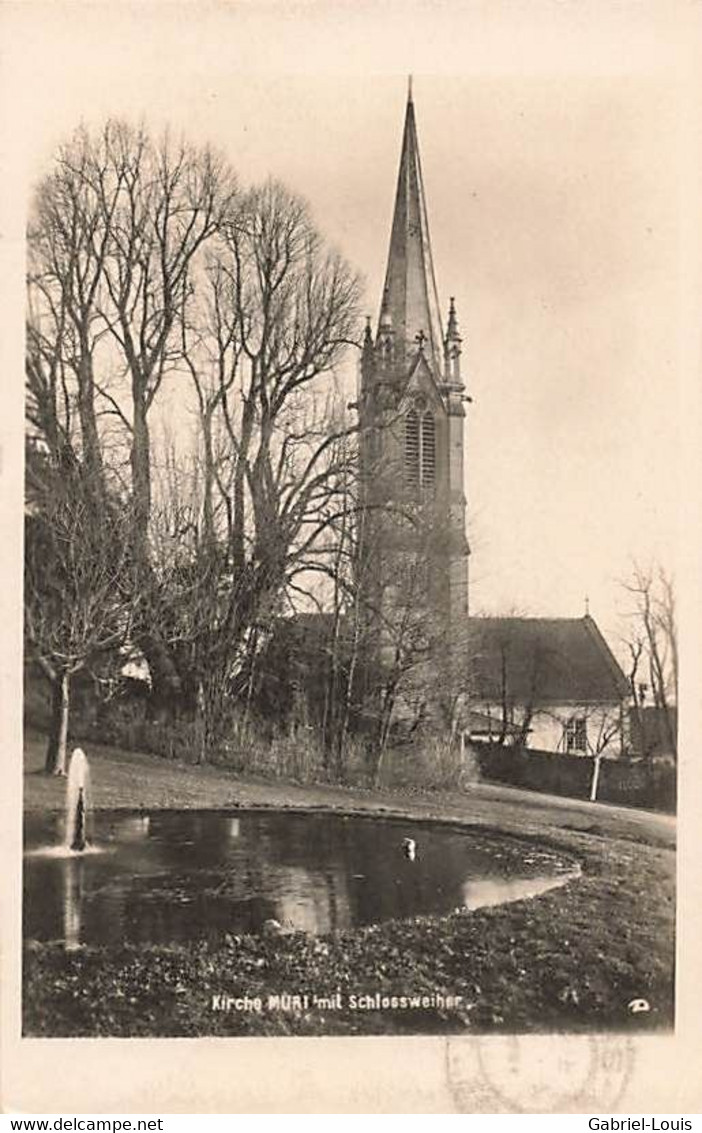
(420, 449)
(428, 450)
(412, 460)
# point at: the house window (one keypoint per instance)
(575, 735)
(420, 449)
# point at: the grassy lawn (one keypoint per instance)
(571, 959)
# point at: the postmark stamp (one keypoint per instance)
(539, 1073)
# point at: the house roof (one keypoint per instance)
(539, 660)
(543, 661)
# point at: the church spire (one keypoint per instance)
(410, 303)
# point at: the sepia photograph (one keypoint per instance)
(353, 542)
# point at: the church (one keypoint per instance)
(412, 405)
(549, 682)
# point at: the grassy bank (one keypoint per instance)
(573, 958)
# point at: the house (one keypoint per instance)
(551, 684)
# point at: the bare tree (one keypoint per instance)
(277, 314)
(605, 726)
(513, 678)
(116, 232)
(68, 246)
(652, 644)
(79, 600)
(146, 262)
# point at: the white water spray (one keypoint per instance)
(77, 801)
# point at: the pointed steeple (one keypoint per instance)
(452, 348)
(452, 334)
(410, 304)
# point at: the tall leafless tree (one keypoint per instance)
(147, 264)
(80, 602)
(277, 312)
(652, 643)
(116, 232)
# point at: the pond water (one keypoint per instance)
(187, 875)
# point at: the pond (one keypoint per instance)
(170, 876)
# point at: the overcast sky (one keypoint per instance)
(555, 162)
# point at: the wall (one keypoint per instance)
(622, 781)
(603, 728)
(546, 730)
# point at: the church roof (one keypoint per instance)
(555, 661)
(543, 661)
(410, 303)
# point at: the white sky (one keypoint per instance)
(556, 158)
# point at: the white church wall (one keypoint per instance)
(578, 729)
(575, 729)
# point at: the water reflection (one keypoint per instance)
(178, 876)
(72, 903)
(313, 901)
(486, 892)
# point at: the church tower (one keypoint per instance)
(412, 415)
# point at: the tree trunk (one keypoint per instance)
(350, 691)
(140, 460)
(167, 694)
(209, 480)
(330, 718)
(238, 530)
(504, 697)
(383, 734)
(92, 454)
(58, 734)
(252, 648)
(594, 782)
(166, 682)
(525, 727)
(201, 717)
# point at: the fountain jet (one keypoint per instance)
(77, 791)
